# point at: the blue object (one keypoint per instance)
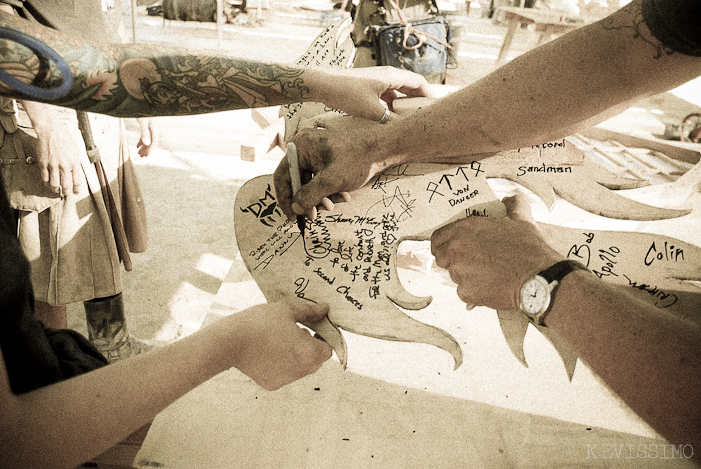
(42, 50)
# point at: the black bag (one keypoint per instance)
(423, 50)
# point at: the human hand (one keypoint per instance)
(342, 153)
(360, 92)
(149, 135)
(490, 258)
(339, 158)
(58, 157)
(272, 349)
(58, 148)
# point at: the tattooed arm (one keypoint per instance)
(125, 80)
(548, 93)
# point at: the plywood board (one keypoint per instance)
(348, 257)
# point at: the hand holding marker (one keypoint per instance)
(293, 163)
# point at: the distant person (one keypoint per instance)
(55, 229)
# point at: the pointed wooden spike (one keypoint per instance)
(406, 300)
(396, 292)
(569, 358)
(611, 180)
(514, 325)
(539, 186)
(390, 323)
(595, 198)
(332, 336)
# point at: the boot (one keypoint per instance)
(107, 329)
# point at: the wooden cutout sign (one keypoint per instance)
(333, 48)
(586, 185)
(347, 257)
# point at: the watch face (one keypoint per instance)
(535, 295)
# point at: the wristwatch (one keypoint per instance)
(536, 294)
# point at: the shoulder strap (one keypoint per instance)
(372, 13)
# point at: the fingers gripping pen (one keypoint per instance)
(293, 163)
(43, 52)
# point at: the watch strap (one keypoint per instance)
(559, 270)
(554, 273)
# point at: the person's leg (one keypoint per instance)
(107, 329)
(52, 316)
(105, 315)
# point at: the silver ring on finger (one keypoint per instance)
(385, 117)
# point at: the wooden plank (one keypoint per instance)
(532, 15)
(121, 455)
(506, 45)
(675, 150)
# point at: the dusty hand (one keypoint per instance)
(339, 162)
(272, 349)
(149, 135)
(490, 258)
(343, 156)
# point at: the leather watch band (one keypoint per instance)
(559, 270)
(553, 275)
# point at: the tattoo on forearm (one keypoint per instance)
(210, 84)
(150, 80)
(630, 18)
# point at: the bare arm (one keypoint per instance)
(125, 80)
(650, 358)
(546, 94)
(65, 424)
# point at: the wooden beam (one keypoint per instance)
(677, 150)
